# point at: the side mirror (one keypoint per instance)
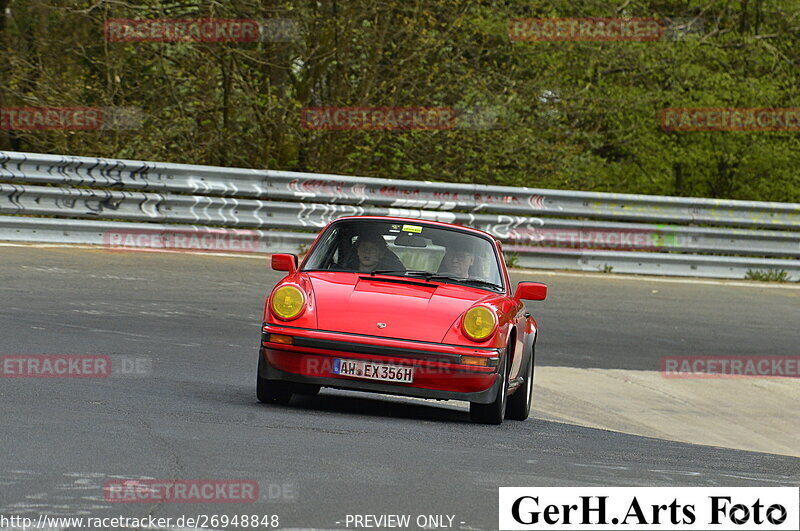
(531, 291)
(284, 262)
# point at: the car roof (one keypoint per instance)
(416, 220)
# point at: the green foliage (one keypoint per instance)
(767, 275)
(513, 260)
(567, 115)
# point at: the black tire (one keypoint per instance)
(271, 391)
(494, 412)
(519, 404)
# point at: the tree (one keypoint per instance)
(574, 115)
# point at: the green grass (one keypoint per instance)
(767, 275)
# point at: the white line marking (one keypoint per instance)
(608, 467)
(764, 480)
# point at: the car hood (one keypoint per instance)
(393, 307)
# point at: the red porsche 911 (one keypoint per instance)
(401, 306)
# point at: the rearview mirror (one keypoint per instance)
(531, 291)
(407, 240)
(284, 262)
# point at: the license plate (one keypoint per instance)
(373, 371)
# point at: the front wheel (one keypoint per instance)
(519, 404)
(270, 391)
(492, 413)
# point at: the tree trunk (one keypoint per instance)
(5, 72)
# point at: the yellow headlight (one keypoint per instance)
(479, 323)
(287, 302)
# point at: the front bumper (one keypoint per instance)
(439, 370)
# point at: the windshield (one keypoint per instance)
(411, 249)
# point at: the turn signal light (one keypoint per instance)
(280, 338)
(475, 360)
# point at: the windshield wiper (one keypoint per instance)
(480, 282)
(428, 276)
(464, 280)
(396, 272)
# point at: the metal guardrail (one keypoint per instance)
(522, 231)
(338, 189)
(87, 197)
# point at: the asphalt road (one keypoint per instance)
(622, 323)
(193, 324)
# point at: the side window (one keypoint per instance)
(345, 255)
(335, 259)
(326, 253)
